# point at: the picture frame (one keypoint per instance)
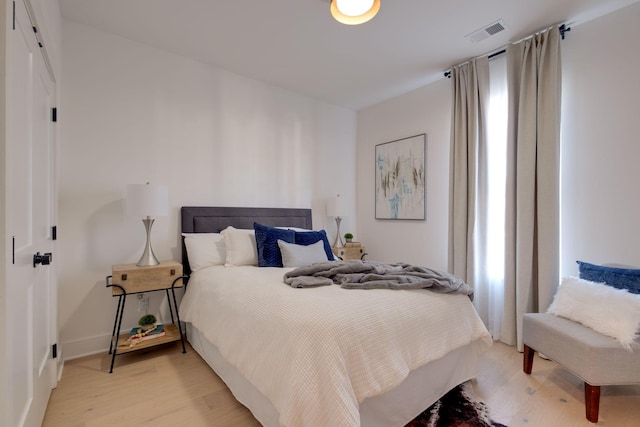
(400, 183)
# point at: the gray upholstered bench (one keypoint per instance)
(595, 358)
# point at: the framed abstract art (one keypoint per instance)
(401, 178)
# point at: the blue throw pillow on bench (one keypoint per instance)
(621, 278)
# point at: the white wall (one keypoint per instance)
(424, 110)
(600, 149)
(130, 114)
(601, 142)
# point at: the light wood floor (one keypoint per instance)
(167, 388)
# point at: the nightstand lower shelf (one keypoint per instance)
(171, 334)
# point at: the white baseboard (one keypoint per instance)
(60, 366)
(86, 346)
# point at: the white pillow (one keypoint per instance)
(204, 249)
(241, 246)
(293, 228)
(300, 255)
(608, 310)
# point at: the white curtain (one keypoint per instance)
(533, 169)
(470, 86)
(488, 277)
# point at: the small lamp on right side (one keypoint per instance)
(336, 210)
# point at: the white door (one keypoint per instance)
(31, 290)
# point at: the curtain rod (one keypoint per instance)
(562, 28)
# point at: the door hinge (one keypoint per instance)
(14, 15)
(54, 230)
(35, 31)
(54, 351)
(54, 114)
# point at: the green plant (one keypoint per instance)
(348, 236)
(147, 319)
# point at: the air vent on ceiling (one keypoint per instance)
(487, 31)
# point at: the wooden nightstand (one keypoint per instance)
(350, 251)
(128, 279)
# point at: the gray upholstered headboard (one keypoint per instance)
(205, 219)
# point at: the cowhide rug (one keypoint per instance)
(458, 408)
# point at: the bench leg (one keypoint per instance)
(592, 401)
(527, 359)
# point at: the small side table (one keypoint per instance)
(128, 279)
(350, 251)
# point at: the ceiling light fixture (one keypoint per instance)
(354, 12)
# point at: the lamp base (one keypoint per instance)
(148, 258)
(338, 243)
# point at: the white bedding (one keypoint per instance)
(317, 353)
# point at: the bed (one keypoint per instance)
(327, 355)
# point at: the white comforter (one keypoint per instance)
(317, 353)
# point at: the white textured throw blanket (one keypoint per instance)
(317, 354)
(375, 275)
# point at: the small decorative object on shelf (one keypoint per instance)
(146, 322)
(138, 335)
(348, 237)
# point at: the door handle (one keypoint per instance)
(44, 259)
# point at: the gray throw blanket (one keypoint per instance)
(375, 275)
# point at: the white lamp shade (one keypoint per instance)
(335, 207)
(147, 200)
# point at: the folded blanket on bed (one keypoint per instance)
(375, 275)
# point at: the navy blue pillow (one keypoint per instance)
(621, 278)
(267, 242)
(310, 237)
